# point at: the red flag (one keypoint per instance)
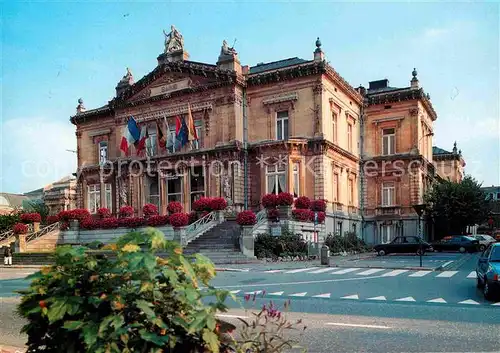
(178, 125)
(141, 144)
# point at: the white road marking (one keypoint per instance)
(378, 298)
(354, 296)
(420, 274)
(273, 271)
(276, 293)
(235, 291)
(437, 300)
(322, 270)
(496, 304)
(356, 325)
(254, 292)
(469, 301)
(303, 294)
(473, 274)
(232, 316)
(326, 295)
(406, 299)
(394, 273)
(447, 263)
(447, 274)
(301, 270)
(344, 271)
(370, 272)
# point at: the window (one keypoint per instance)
(175, 147)
(276, 179)
(335, 187)
(388, 141)
(197, 143)
(498, 195)
(108, 200)
(386, 233)
(103, 152)
(151, 145)
(339, 228)
(197, 184)
(350, 185)
(174, 188)
(349, 137)
(154, 192)
(354, 228)
(334, 127)
(94, 197)
(282, 125)
(388, 194)
(296, 180)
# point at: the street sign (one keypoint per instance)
(276, 231)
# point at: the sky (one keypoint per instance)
(54, 53)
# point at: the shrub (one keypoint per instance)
(302, 203)
(131, 222)
(64, 225)
(30, 218)
(175, 207)
(76, 214)
(131, 301)
(303, 215)
(108, 223)
(288, 244)
(202, 204)
(318, 205)
(179, 219)
(20, 228)
(273, 214)
(156, 221)
(218, 203)
(348, 242)
(104, 212)
(126, 211)
(89, 223)
(321, 217)
(8, 221)
(193, 217)
(149, 210)
(285, 199)
(246, 218)
(269, 201)
(52, 219)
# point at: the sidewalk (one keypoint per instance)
(10, 349)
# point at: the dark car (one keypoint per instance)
(403, 245)
(461, 243)
(488, 271)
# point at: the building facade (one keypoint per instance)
(291, 125)
(449, 165)
(57, 196)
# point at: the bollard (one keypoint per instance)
(325, 255)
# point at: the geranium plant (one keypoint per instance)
(303, 203)
(52, 219)
(104, 212)
(89, 223)
(30, 218)
(217, 203)
(131, 222)
(303, 215)
(273, 214)
(174, 207)
(78, 214)
(285, 199)
(20, 228)
(126, 211)
(108, 223)
(246, 218)
(156, 221)
(130, 301)
(270, 201)
(318, 205)
(179, 219)
(202, 204)
(149, 209)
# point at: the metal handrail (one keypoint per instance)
(42, 232)
(261, 217)
(6, 235)
(196, 229)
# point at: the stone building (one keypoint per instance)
(291, 125)
(397, 159)
(57, 196)
(449, 165)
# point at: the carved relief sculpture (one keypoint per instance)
(173, 40)
(123, 192)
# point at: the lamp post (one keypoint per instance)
(420, 210)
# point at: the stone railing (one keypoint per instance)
(6, 235)
(42, 232)
(388, 210)
(261, 222)
(204, 224)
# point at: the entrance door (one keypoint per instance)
(387, 233)
(196, 184)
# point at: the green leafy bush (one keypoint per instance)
(7, 221)
(129, 301)
(288, 244)
(348, 242)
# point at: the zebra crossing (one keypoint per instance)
(382, 272)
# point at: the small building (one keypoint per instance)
(11, 202)
(57, 196)
(449, 165)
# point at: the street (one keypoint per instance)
(351, 309)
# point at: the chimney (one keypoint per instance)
(378, 84)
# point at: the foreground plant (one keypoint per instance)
(133, 301)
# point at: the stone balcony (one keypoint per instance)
(388, 211)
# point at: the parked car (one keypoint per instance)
(488, 271)
(461, 243)
(484, 240)
(404, 245)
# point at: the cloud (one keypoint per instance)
(435, 32)
(34, 153)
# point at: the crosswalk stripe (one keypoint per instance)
(303, 294)
(473, 274)
(406, 299)
(326, 295)
(378, 298)
(447, 274)
(354, 296)
(301, 270)
(420, 274)
(276, 293)
(273, 271)
(254, 292)
(344, 271)
(394, 273)
(437, 300)
(235, 291)
(370, 272)
(469, 301)
(321, 270)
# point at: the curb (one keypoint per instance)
(10, 349)
(230, 270)
(22, 266)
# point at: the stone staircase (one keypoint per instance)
(220, 244)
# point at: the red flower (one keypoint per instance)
(285, 199)
(193, 217)
(131, 222)
(108, 223)
(104, 212)
(30, 218)
(64, 226)
(126, 211)
(52, 219)
(318, 205)
(218, 203)
(89, 223)
(175, 207)
(156, 221)
(20, 228)
(303, 215)
(149, 210)
(202, 204)
(76, 214)
(270, 201)
(303, 203)
(273, 214)
(179, 219)
(321, 217)
(246, 218)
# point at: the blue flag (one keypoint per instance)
(182, 136)
(133, 129)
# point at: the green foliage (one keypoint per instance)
(130, 301)
(288, 244)
(8, 221)
(454, 206)
(37, 206)
(348, 242)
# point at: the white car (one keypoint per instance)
(484, 240)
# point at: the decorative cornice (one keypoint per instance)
(99, 132)
(282, 98)
(173, 111)
(384, 120)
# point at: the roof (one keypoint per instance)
(438, 150)
(384, 89)
(12, 200)
(261, 67)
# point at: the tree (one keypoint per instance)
(37, 206)
(454, 206)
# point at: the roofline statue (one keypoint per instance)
(173, 40)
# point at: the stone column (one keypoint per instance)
(186, 190)
(20, 244)
(102, 193)
(180, 235)
(84, 203)
(163, 195)
(247, 241)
